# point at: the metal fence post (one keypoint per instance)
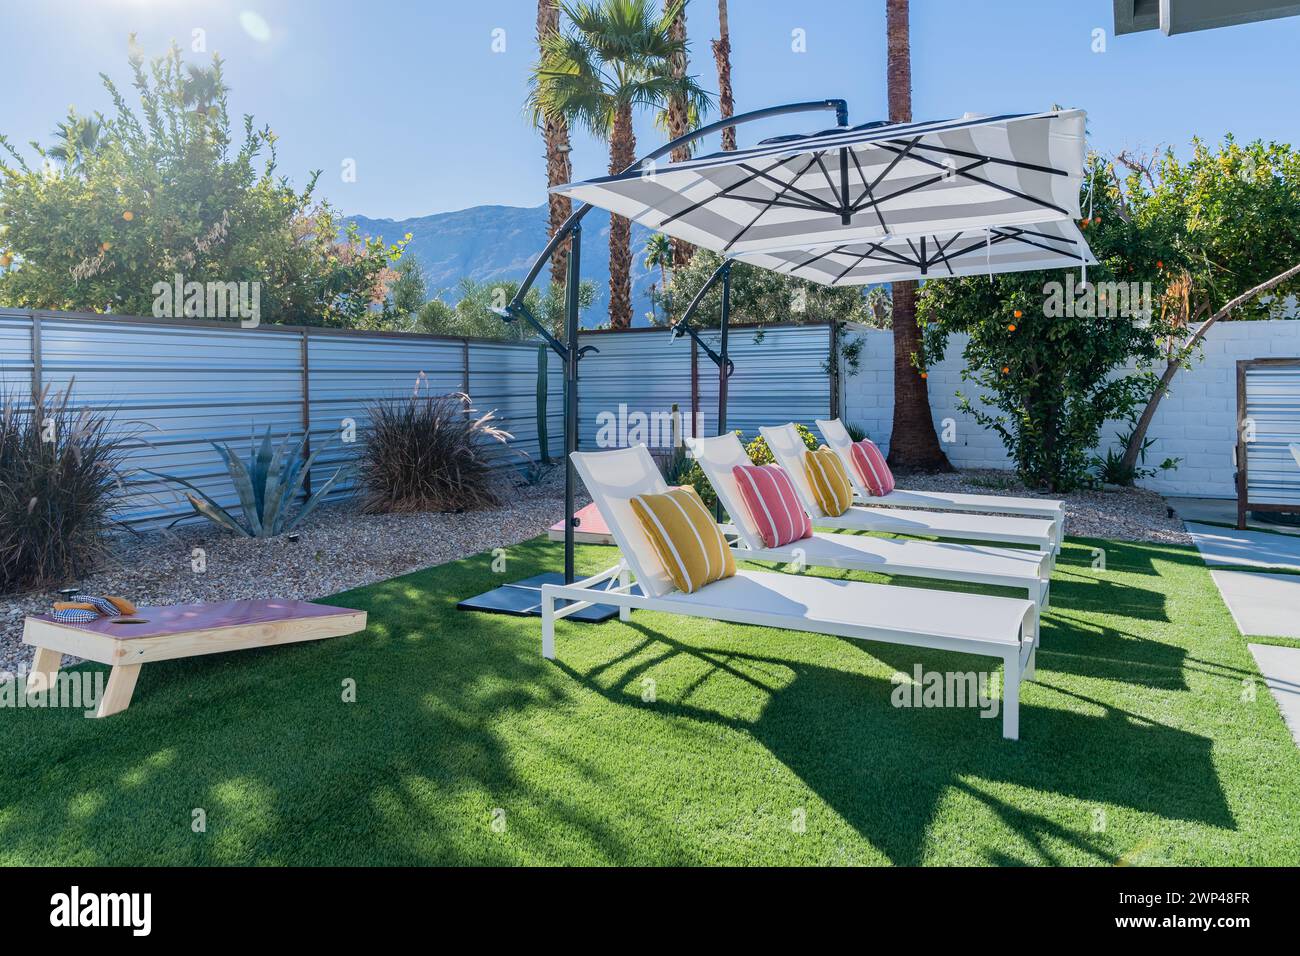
(695, 389)
(38, 375)
(305, 363)
(834, 367)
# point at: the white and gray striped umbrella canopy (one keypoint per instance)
(861, 183)
(1043, 245)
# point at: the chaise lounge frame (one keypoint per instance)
(1012, 626)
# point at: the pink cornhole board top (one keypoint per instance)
(591, 528)
(184, 618)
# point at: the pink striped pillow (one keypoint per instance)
(873, 471)
(773, 504)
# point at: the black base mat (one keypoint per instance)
(524, 599)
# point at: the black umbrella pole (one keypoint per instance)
(722, 366)
(572, 281)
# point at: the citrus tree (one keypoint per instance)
(1051, 374)
(119, 203)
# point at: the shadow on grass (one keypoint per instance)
(456, 714)
(884, 770)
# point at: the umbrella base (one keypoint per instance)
(524, 599)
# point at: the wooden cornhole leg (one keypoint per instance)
(117, 694)
(45, 668)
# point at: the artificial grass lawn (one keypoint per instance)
(1139, 743)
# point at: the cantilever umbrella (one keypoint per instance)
(867, 184)
(1043, 245)
(859, 183)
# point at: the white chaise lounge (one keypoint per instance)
(838, 440)
(1005, 628)
(788, 450)
(944, 561)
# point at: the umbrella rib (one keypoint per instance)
(785, 203)
(736, 238)
(874, 247)
(1007, 236)
(941, 251)
(1041, 235)
(839, 200)
(898, 158)
(823, 255)
(963, 172)
(790, 186)
(967, 154)
(867, 193)
(1040, 245)
(755, 173)
(926, 182)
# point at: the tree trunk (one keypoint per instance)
(679, 120)
(559, 167)
(722, 56)
(622, 153)
(913, 443)
(1179, 356)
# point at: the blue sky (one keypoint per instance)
(413, 92)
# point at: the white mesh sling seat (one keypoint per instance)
(943, 561)
(788, 450)
(838, 440)
(1005, 628)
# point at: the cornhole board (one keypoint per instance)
(180, 630)
(591, 528)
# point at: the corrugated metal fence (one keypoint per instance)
(781, 375)
(191, 382)
(187, 383)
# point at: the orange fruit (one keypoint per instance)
(105, 246)
(1005, 370)
(128, 215)
(1011, 328)
(1017, 313)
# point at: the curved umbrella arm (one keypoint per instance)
(683, 325)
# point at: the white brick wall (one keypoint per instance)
(1195, 421)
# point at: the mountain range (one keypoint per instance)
(490, 243)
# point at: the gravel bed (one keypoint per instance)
(337, 549)
(1124, 514)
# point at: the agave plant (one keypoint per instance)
(266, 484)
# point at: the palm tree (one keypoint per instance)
(722, 56)
(913, 443)
(678, 118)
(78, 137)
(616, 57)
(202, 88)
(659, 252)
(559, 165)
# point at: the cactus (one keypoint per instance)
(266, 484)
(543, 440)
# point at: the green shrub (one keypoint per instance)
(266, 484)
(428, 453)
(59, 470)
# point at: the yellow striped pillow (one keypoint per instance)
(831, 487)
(685, 538)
